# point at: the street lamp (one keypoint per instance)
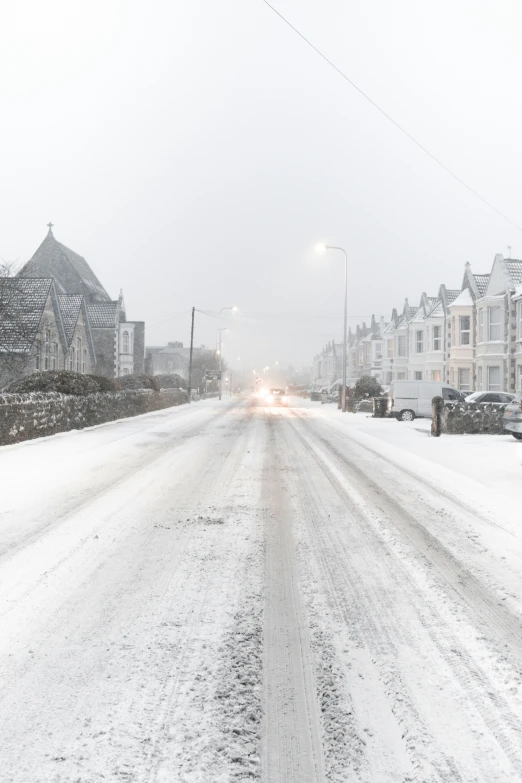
(220, 352)
(234, 310)
(322, 249)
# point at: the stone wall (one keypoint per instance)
(27, 416)
(468, 418)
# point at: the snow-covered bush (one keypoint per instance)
(367, 386)
(171, 381)
(139, 382)
(61, 381)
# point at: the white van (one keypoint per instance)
(410, 399)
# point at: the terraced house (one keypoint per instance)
(470, 337)
(56, 314)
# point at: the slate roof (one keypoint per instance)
(22, 302)
(482, 283)
(453, 293)
(437, 310)
(103, 315)
(514, 267)
(70, 306)
(71, 273)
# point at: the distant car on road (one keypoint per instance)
(236, 390)
(498, 398)
(276, 397)
(513, 417)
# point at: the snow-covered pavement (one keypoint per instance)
(225, 592)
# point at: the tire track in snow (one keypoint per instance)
(292, 747)
(501, 719)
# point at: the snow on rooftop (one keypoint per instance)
(464, 298)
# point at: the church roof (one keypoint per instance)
(71, 273)
(22, 302)
(70, 306)
(103, 315)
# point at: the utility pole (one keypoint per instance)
(191, 352)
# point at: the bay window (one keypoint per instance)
(465, 329)
(437, 340)
(419, 341)
(494, 378)
(494, 322)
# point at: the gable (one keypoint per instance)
(71, 273)
(498, 280)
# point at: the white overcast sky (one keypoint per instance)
(194, 151)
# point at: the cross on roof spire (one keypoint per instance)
(50, 225)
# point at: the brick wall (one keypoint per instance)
(27, 416)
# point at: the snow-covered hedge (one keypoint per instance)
(469, 418)
(27, 416)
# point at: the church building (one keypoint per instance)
(57, 313)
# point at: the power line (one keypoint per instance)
(394, 122)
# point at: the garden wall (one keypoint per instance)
(468, 418)
(27, 416)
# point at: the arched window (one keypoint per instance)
(38, 355)
(84, 359)
(125, 342)
(78, 354)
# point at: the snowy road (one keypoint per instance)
(225, 592)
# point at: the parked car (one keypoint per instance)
(497, 398)
(513, 417)
(410, 399)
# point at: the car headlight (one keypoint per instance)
(285, 399)
(269, 398)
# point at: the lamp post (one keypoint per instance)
(220, 351)
(323, 249)
(234, 309)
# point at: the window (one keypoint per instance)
(54, 355)
(126, 371)
(494, 323)
(479, 379)
(481, 326)
(437, 340)
(464, 379)
(435, 374)
(451, 395)
(389, 377)
(494, 378)
(389, 350)
(378, 351)
(38, 355)
(491, 398)
(401, 345)
(453, 340)
(452, 376)
(520, 378)
(47, 349)
(125, 348)
(419, 341)
(520, 320)
(464, 329)
(78, 354)
(84, 359)
(417, 375)
(401, 376)
(71, 359)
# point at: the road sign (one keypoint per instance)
(212, 376)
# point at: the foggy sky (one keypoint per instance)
(194, 151)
